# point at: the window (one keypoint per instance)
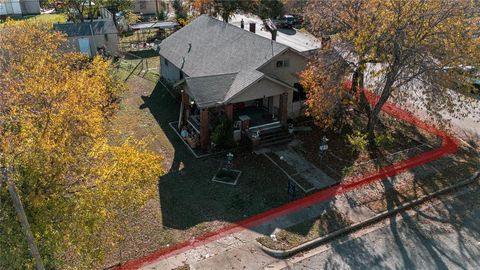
(143, 5)
(300, 94)
(181, 74)
(282, 63)
(106, 37)
(166, 62)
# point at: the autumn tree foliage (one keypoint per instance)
(222, 8)
(75, 183)
(394, 45)
(327, 101)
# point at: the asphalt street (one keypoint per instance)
(446, 236)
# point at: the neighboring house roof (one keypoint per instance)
(151, 25)
(208, 46)
(99, 27)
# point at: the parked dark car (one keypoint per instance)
(286, 21)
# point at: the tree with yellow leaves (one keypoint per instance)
(74, 182)
(401, 44)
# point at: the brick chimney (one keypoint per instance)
(252, 27)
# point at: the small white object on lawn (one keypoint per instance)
(274, 237)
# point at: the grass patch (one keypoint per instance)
(49, 18)
(189, 203)
(43, 18)
(329, 221)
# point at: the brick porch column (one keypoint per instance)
(186, 107)
(283, 108)
(204, 136)
(229, 111)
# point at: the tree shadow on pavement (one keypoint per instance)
(407, 243)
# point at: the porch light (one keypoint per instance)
(192, 102)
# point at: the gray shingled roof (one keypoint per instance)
(213, 90)
(209, 91)
(99, 27)
(219, 59)
(207, 46)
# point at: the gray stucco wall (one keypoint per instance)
(260, 89)
(288, 75)
(296, 63)
(168, 71)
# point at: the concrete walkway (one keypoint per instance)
(305, 168)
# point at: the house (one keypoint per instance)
(18, 8)
(147, 7)
(91, 37)
(224, 69)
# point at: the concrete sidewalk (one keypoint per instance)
(240, 250)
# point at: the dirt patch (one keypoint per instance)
(417, 182)
(329, 221)
(342, 162)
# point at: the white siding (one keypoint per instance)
(10, 7)
(168, 71)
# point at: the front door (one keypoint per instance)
(267, 103)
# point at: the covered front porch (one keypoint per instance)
(247, 117)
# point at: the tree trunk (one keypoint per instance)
(80, 14)
(354, 82)
(90, 11)
(364, 104)
(387, 89)
(25, 226)
(373, 116)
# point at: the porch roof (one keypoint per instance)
(214, 90)
(208, 91)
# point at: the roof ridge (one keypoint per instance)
(243, 30)
(212, 75)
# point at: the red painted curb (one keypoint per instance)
(449, 146)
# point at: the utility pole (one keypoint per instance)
(156, 9)
(17, 203)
